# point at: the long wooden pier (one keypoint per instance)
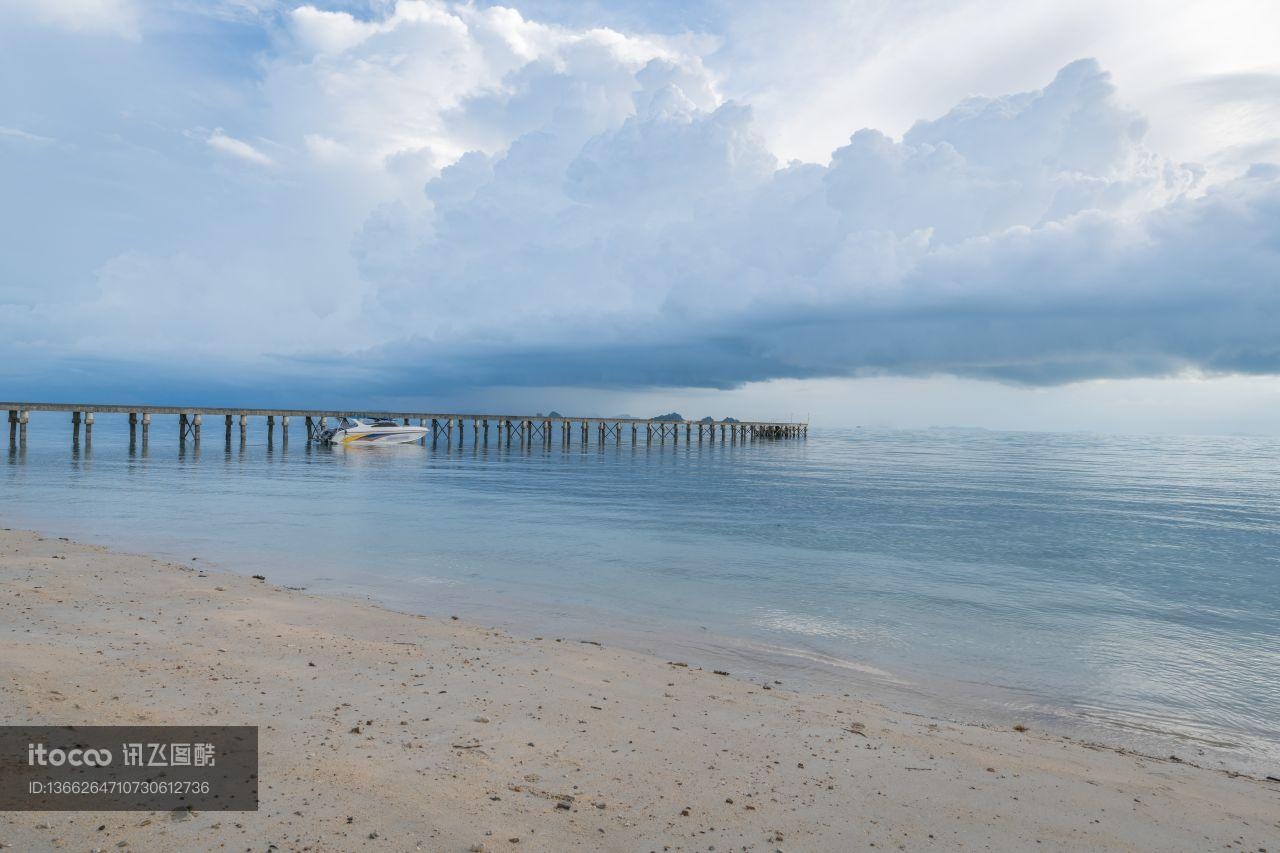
(443, 426)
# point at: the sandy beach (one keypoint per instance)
(382, 730)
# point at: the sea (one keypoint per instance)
(1122, 590)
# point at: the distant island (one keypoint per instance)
(676, 416)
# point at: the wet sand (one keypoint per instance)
(382, 730)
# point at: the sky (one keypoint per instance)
(908, 214)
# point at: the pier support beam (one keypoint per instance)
(88, 427)
(75, 427)
(271, 427)
(228, 429)
(244, 427)
(13, 427)
(188, 427)
(133, 427)
(146, 425)
(284, 429)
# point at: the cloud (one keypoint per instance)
(463, 196)
(110, 17)
(237, 148)
(813, 77)
(445, 78)
(18, 135)
(1028, 238)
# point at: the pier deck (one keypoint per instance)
(524, 428)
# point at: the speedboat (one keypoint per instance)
(353, 430)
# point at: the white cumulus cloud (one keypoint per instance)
(1028, 237)
(238, 148)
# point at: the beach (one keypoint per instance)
(384, 730)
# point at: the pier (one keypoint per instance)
(447, 427)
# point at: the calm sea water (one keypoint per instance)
(1125, 589)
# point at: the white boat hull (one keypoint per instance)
(377, 435)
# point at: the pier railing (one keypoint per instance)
(522, 428)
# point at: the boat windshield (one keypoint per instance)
(385, 422)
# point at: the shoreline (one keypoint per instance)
(95, 636)
(901, 689)
(809, 671)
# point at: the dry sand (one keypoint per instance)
(414, 733)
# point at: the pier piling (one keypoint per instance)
(188, 426)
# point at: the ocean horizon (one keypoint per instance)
(1123, 589)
